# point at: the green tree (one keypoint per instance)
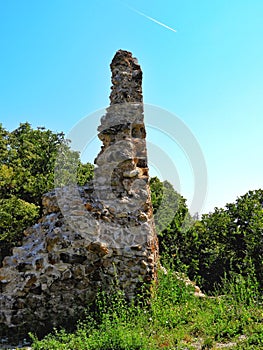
(16, 215)
(172, 220)
(227, 241)
(27, 162)
(230, 240)
(27, 170)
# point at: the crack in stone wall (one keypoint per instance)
(89, 236)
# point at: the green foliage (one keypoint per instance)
(84, 173)
(27, 170)
(225, 241)
(228, 240)
(175, 319)
(169, 207)
(16, 214)
(27, 162)
(172, 220)
(68, 170)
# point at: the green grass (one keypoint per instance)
(176, 319)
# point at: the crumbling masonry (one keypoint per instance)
(89, 236)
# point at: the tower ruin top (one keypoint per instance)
(126, 78)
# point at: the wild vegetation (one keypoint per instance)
(222, 252)
(175, 319)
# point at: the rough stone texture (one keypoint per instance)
(90, 236)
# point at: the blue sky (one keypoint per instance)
(54, 70)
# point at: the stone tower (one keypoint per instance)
(93, 236)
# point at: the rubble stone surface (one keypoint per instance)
(89, 236)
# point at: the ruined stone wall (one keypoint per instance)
(90, 236)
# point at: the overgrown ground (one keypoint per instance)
(176, 319)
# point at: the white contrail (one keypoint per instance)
(151, 19)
